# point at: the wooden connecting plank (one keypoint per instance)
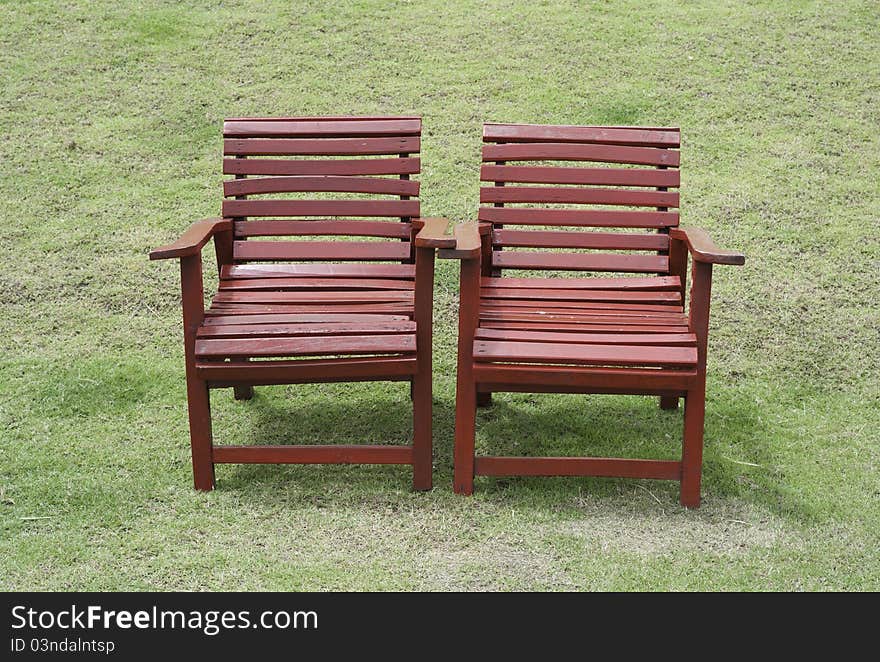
(581, 152)
(579, 217)
(577, 466)
(580, 261)
(669, 178)
(230, 271)
(317, 454)
(578, 196)
(611, 135)
(312, 346)
(584, 354)
(320, 146)
(308, 371)
(398, 166)
(601, 240)
(320, 250)
(627, 283)
(336, 184)
(531, 378)
(320, 128)
(381, 208)
(357, 228)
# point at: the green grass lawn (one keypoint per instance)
(110, 118)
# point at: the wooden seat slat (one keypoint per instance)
(309, 346)
(316, 284)
(584, 354)
(307, 329)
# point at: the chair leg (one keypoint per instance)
(484, 399)
(243, 392)
(198, 401)
(668, 402)
(422, 431)
(692, 447)
(465, 431)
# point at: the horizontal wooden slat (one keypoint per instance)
(332, 183)
(580, 152)
(399, 166)
(579, 217)
(669, 178)
(286, 228)
(578, 196)
(584, 310)
(580, 327)
(630, 283)
(554, 296)
(538, 295)
(314, 329)
(611, 135)
(545, 306)
(687, 339)
(583, 317)
(580, 261)
(316, 284)
(577, 466)
(314, 346)
(583, 354)
(304, 318)
(339, 308)
(320, 250)
(323, 454)
(318, 271)
(258, 296)
(321, 208)
(308, 371)
(319, 146)
(559, 239)
(581, 379)
(320, 128)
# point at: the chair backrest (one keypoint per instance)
(317, 177)
(534, 184)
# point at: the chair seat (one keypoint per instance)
(284, 311)
(619, 322)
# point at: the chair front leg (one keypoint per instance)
(466, 388)
(695, 400)
(198, 399)
(421, 384)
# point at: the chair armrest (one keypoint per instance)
(467, 243)
(703, 249)
(191, 241)
(433, 234)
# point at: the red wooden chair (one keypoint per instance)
(619, 333)
(291, 310)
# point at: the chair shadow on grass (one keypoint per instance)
(353, 413)
(515, 424)
(631, 427)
